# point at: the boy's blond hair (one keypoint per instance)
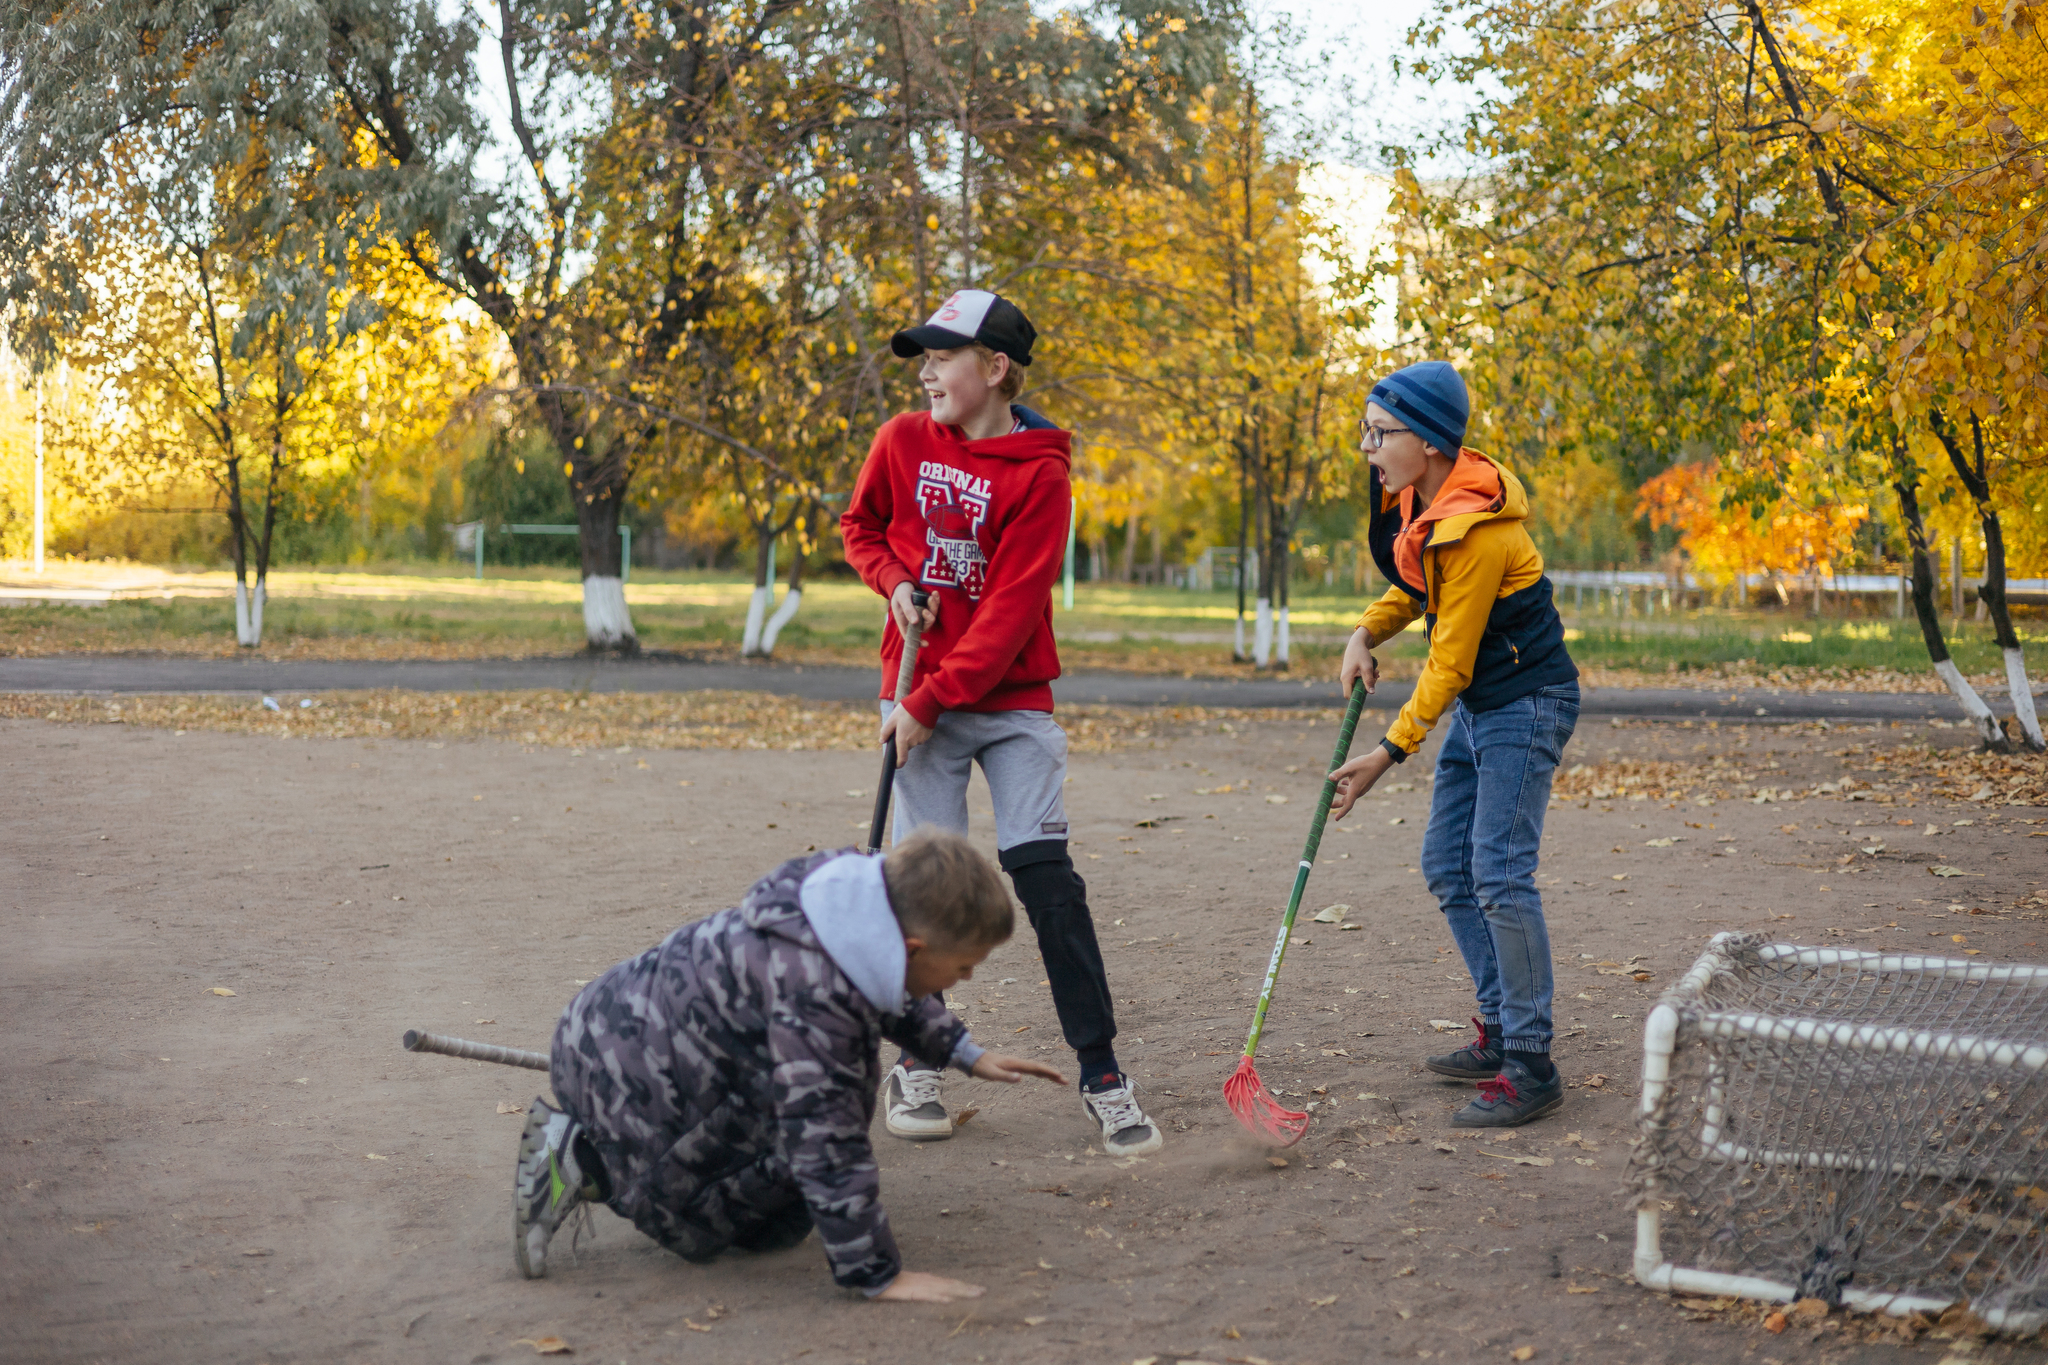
(1013, 378)
(946, 893)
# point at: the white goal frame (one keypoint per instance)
(1653, 1270)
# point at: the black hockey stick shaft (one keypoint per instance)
(912, 638)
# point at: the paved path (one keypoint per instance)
(148, 673)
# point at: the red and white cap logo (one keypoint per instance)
(964, 312)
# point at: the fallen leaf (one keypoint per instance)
(1582, 1289)
(505, 1108)
(1520, 1160)
(1596, 1081)
(1445, 1025)
(256, 1251)
(1810, 1308)
(1775, 1322)
(1659, 843)
(1946, 871)
(487, 1021)
(546, 1346)
(372, 1156)
(1332, 914)
(1276, 800)
(965, 1114)
(1522, 1353)
(1033, 1322)
(1232, 1334)
(1446, 1147)
(1323, 1302)
(1404, 1270)
(1398, 820)
(1646, 976)
(1618, 877)
(221, 990)
(1276, 1162)
(695, 1326)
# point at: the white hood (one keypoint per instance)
(847, 905)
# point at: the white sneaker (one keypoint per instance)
(1127, 1130)
(911, 1106)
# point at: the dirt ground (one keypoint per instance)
(264, 1176)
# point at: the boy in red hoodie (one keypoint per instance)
(970, 501)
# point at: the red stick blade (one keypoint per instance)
(1262, 1115)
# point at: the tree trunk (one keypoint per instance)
(1906, 484)
(238, 524)
(597, 487)
(764, 589)
(792, 600)
(1244, 513)
(1279, 525)
(1131, 549)
(1262, 626)
(1991, 594)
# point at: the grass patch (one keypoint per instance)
(439, 612)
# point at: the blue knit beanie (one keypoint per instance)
(1431, 399)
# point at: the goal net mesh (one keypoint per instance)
(1853, 1123)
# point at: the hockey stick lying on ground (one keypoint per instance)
(416, 1041)
(1246, 1095)
(912, 638)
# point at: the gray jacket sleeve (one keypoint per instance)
(933, 1034)
(822, 1110)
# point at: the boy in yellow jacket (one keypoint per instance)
(1447, 531)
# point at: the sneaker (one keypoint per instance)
(1475, 1061)
(549, 1185)
(1511, 1099)
(1127, 1130)
(911, 1106)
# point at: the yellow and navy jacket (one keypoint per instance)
(1466, 566)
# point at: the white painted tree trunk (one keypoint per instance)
(2023, 698)
(1981, 719)
(1262, 633)
(784, 614)
(1280, 646)
(249, 614)
(757, 612)
(606, 622)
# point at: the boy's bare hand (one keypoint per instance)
(918, 1286)
(905, 613)
(1010, 1070)
(1359, 663)
(909, 734)
(1356, 777)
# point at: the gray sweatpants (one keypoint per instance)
(1023, 754)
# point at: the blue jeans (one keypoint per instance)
(1479, 853)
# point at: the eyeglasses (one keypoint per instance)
(1373, 438)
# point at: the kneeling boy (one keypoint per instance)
(717, 1089)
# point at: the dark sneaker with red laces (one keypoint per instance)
(1475, 1061)
(1512, 1098)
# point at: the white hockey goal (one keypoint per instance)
(1865, 1128)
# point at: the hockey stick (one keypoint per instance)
(912, 638)
(417, 1041)
(1246, 1095)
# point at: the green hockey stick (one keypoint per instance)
(1246, 1095)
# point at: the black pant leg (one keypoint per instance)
(1056, 902)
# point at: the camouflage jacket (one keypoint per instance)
(741, 1044)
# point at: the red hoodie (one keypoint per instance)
(983, 526)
